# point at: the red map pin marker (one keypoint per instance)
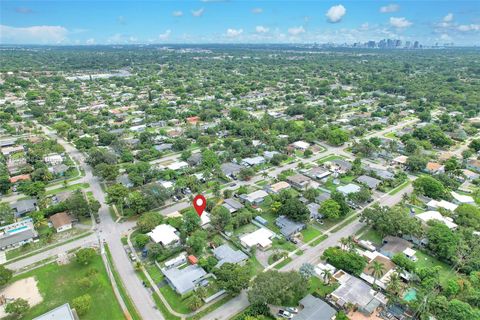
(199, 203)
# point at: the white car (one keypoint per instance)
(292, 309)
(285, 314)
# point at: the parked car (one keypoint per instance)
(285, 314)
(292, 309)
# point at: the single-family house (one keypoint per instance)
(232, 205)
(254, 198)
(58, 169)
(376, 257)
(178, 165)
(277, 187)
(470, 175)
(261, 238)
(301, 145)
(19, 178)
(61, 221)
(225, 254)
(356, 292)
(313, 308)
(17, 234)
(185, 280)
(53, 159)
(461, 199)
(63, 312)
(342, 166)
(164, 234)
(195, 159)
(288, 227)
(436, 216)
(299, 181)
(434, 168)
(322, 197)
(474, 165)
(435, 205)
(400, 161)
(393, 245)
(369, 182)
(254, 161)
(314, 210)
(125, 180)
(192, 120)
(318, 173)
(163, 147)
(22, 207)
(231, 169)
(348, 189)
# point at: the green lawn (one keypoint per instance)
(317, 242)
(154, 272)
(329, 158)
(283, 263)
(58, 285)
(373, 236)
(425, 260)
(316, 285)
(283, 244)
(177, 302)
(399, 188)
(310, 233)
(72, 187)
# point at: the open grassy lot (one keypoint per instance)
(316, 285)
(425, 260)
(373, 236)
(72, 187)
(177, 302)
(329, 158)
(310, 233)
(282, 244)
(58, 285)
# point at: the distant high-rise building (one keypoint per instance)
(408, 44)
(416, 45)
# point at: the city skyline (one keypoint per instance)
(214, 21)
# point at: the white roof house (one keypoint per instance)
(177, 165)
(260, 237)
(255, 197)
(164, 234)
(460, 198)
(349, 188)
(301, 145)
(434, 204)
(435, 215)
(53, 159)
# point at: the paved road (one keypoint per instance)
(83, 242)
(229, 309)
(111, 232)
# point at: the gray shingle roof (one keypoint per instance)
(314, 309)
(24, 206)
(225, 254)
(372, 183)
(288, 227)
(11, 239)
(184, 280)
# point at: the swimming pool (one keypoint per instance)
(410, 295)
(17, 229)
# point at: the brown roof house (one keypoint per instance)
(61, 221)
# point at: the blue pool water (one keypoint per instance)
(17, 229)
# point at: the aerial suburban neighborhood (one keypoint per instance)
(239, 181)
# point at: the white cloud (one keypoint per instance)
(469, 27)
(33, 35)
(336, 13)
(261, 29)
(365, 26)
(90, 41)
(445, 37)
(400, 22)
(390, 8)
(177, 13)
(198, 13)
(257, 10)
(295, 31)
(165, 35)
(119, 38)
(448, 18)
(232, 33)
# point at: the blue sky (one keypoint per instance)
(215, 21)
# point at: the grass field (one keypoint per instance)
(72, 187)
(317, 242)
(58, 285)
(175, 300)
(373, 236)
(318, 286)
(399, 188)
(425, 260)
(283, 263)
(310, 233)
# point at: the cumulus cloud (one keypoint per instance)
(198, 13)
(165, 35)
(468, 27)
(23, 10)
(295, 31)
(261, 29)
(390, 8)
(257, 10)
(448, 18)
(33, 35)
(336, 13)
(400, 22)
(90, 41)
(445, 37)
(232, 33)
(177, 13)
(119, 38)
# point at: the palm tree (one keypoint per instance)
(394, 286)
(327, 276)
(344, 243)
(264, 174)
(378, 269)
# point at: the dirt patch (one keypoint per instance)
(25, 288)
